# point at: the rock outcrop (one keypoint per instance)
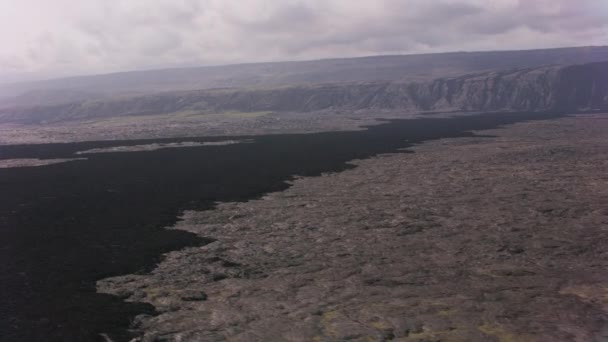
(576, 87)
(468, 239)
(398, 68)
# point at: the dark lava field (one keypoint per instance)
(65, 226)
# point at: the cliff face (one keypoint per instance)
(578, 87)
(405, 68)
(567, 88)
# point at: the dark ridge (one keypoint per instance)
(417, 67)
(65, 226)
(576, 87)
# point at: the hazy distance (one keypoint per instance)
(42, 39)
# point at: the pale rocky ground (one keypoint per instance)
(177, 126)
(160, 146)
(33, 162)
(192, 124)
(467, 239)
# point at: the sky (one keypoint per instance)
(53, 38)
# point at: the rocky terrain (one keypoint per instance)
(192, 125)
(32, 162)
(578, 87)
(160, 146)
(402, 68)
(301, 97)
(499, 237)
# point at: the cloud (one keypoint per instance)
(64, 37)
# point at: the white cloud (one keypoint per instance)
(62, 37)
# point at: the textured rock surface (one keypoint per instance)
(578, 87)
(178, 126)
(468, 239)
(373, 68)
(30, 162)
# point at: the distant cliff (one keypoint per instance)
(397, 68)
(577, 87)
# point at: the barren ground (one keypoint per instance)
(32, 162)
(467, 239)
(194, 124)
(183, 125)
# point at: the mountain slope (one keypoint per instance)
(405, 68)
(577, 87)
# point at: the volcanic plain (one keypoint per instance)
(500, 236)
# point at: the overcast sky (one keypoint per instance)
(48, 38)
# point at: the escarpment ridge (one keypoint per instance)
(550, 88)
